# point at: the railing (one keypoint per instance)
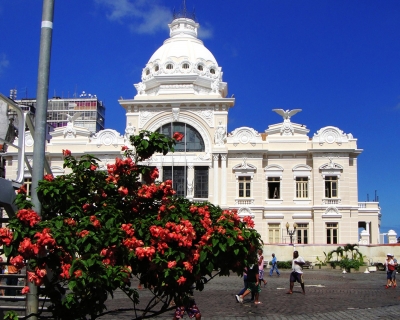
(368, 205)
(331, 201)
(13, 299)
(244, 201)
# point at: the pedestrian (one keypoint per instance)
(245, 286)
(260, 258)
(274, 266)
(390, 268)
(253, 284)
(394, 273)
(297, 272)
(12, 281)
(189, 307)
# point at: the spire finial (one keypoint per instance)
(184, 13)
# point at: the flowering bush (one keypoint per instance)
(97, 229)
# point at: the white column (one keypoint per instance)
(223, 179)
(216, 186)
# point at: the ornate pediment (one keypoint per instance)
(331, 212)
(245, 212)
(107, 137)
(244, 135)
(331, 135)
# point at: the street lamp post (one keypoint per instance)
(291, 232)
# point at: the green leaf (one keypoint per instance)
(59, 224)
(87, 247)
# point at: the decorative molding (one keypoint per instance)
(244, 135)
(220, 135)
(207, 114)
(331, 212)
(273, 170)
(244, 167)
(129, 131)
(245, 212)
(140, 87)
(273, 216)
(331, 135)
(302, 170)
(107, 137)
(175, 114)
(146, 115)
(307, 215)
(189, 187)
(203, 157)
(215, 86)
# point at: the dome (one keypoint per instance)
(182, 59)
(183, 43)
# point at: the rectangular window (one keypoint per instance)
(201, 182)
(28, 184)
(302, 233)
(273, 232)
(274, 187)
(178, 175)
(331, 233)
(301, 187)
(331, 187)
(244, 187)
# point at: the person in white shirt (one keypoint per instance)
(297, 272)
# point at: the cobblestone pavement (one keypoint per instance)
(329, 295)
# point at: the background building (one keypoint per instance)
(284, 178)
(87, 110)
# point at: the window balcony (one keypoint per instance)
(330, 201)
(244, 201)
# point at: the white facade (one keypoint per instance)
(279, 176)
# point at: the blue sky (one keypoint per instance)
(337, 60)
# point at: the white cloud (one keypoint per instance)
(142, 16)
(3, 62)
(206, 31)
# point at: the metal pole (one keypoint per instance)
(32, 299)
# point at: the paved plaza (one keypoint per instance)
(330, 294)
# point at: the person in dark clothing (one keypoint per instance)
(244, 288)
(253, 284)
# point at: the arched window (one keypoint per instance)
(192, 140)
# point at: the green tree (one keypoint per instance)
(100, 228)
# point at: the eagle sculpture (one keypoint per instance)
(71, 119)
(286, 114)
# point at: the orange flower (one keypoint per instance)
(25, 290)
(66, 153)
(177, 136)
(78, 273)
(181, 280)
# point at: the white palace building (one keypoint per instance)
(281, 177)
